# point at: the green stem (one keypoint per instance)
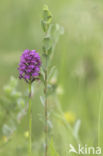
(30, 120)
(46, 112)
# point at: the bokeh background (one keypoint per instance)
(79, 61)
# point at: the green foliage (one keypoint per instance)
(77, 128)
(52, 32)
(12, 108)
(52, 150)
(51, 35)
(78, 58)
(46, 19)
(52, 72)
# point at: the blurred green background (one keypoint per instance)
(78, 58)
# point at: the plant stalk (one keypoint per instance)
(30, 121)
(46, 112)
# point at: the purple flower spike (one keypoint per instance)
(29, 66)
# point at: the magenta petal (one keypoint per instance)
(29, 66)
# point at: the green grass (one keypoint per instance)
(78, 58)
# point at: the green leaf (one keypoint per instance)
(46, 19)
(51, 150)
(77, 128)
(60, 29)
(47, 45)
(56, 31)
(44, 25)
(51, 89)
(52, 72)
(47, 16)
(42, 76)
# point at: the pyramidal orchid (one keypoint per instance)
(29, 70)
(29, 66)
